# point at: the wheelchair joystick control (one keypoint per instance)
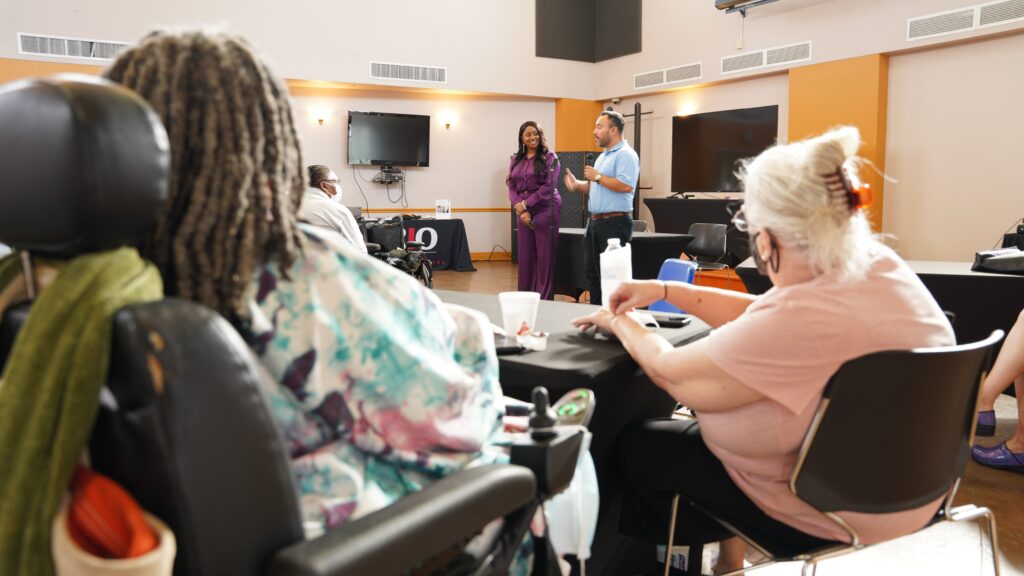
(542, 418)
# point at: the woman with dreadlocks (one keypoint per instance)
(378, 387)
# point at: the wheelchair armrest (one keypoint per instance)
(372, 248)
(553, 461)
(414, 529)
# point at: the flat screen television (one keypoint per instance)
(384, 139)
(706, 148)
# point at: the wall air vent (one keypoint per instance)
(1000, 12)
(942, 23)
(684, 73)
(408, 72)
(63, 47)
(742, 62)
(648, 79)
(788, 54)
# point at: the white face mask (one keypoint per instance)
(337, 191)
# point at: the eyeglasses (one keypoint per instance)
(333, 182)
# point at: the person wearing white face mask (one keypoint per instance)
(322, 207)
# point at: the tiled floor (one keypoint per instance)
(954, 550)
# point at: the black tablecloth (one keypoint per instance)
(649, 249)
(676, 215)
(623, 393)
(982, 302)
(444, 242)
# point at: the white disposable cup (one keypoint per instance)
(518, 309)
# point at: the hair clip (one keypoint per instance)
(858, 194)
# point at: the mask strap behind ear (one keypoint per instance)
(773, 257)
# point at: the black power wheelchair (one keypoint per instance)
(386, 241)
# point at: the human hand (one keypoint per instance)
(636, 294)
(570, 180)
(520, 207)
(526, 219)
(589, 173)
(600, 320)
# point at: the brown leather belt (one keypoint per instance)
(604, 215)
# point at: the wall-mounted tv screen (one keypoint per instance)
(706, 148)
(383, 139)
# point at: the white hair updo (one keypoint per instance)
(791, 190)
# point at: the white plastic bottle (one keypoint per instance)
(616, 268)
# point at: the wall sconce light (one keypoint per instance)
(448, 119)
(320, 115)
(687, 109)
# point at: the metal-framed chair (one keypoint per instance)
(889, 462)
(707, 248)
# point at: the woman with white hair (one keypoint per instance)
(756, 380)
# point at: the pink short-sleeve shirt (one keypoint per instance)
(786, 346)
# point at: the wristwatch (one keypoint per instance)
(598, 177)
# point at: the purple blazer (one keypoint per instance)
(523, 184)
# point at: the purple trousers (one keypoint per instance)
(537, 249)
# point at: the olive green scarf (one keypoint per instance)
(49, 392)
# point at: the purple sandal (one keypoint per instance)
(986, 423)
(998, 457)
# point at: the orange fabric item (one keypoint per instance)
(104, 519)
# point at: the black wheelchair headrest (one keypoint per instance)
(84, 166)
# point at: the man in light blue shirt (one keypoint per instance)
(611, 183)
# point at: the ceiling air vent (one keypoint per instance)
(683, 73)
(940, 24)
(648, 79)
(1001, 12)
(742, 62)
(62, 47)
(408, 72)
(788, 54)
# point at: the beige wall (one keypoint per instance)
(487, 45)
(656, 132)
(468, 162)
(955, 135)
(678, 32)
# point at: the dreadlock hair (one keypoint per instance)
(236, 168)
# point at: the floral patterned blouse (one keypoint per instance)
(377, 386)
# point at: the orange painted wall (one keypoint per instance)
(574, 125)
(853, 92)
(11, 69)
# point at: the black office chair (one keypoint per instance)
(183, 423)
(889, 462)
(707, 248)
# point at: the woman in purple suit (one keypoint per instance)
(533, 191)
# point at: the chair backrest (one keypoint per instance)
(675, 270)
(85, 166)
(187, 431)
(389, 234)
(893, 430)
(708, 241)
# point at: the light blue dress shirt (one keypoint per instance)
(622, 163)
